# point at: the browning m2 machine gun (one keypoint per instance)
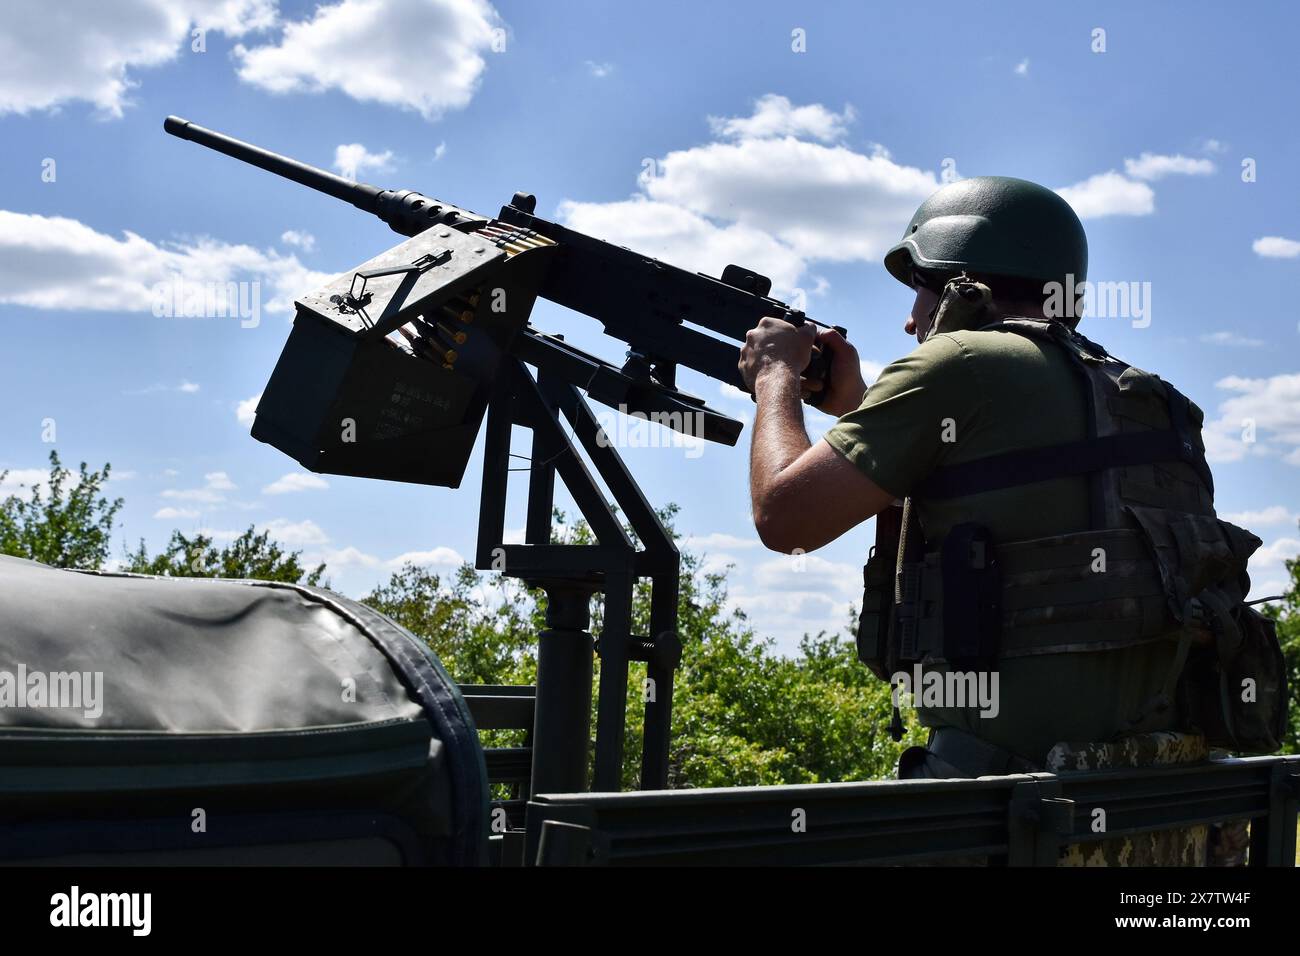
(389, 371)
(430, 319)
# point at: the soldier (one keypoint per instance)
(1038, 475)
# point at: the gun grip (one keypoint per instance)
(819, 369)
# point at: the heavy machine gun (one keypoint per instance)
(460, 274)
(391, 367)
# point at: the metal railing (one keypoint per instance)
(509, 769)
(1016, 820)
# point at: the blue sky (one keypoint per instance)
(694, 132)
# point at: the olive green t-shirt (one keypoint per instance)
(971, 394)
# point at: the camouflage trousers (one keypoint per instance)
(1220, 844)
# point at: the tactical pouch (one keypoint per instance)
(876, 623)
(877, 609)
(972, 608)
(1235, 692)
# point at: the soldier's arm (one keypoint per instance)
(806, 495)
(803, 495)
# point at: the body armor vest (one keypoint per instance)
(1155, 563)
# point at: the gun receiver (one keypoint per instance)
(348, 361)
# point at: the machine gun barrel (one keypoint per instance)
(361, 195)
(406, 211)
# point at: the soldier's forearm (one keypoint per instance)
(779, 436)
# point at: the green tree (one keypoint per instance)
(69, 525)
(742, 715)
(251, 555)
(1287, 615)
(482, 630)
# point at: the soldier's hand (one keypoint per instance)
(775, 343)
(846, 381)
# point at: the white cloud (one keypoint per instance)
(763, 198)
(348, 557)
(727, 390)
(871, 370)
(215, 485)
(1151, 166)
(1109, 194)
(1213, 146)
(1127, 194)
(185, 388)
(685, 238)
(1022, 68)
(718, 562)
(776, 116)
(599, 70)
(51, 262)
(355, 557)
(54, 53)
(437, 556)
(808, 573)
(171, 514)
(718, 540)
(353, 159)
(295, 481)
(824, 202)
(292, 534)
(440, 151)
(219, 480)
(218, 535)
(18, 478)
(246, 410)
(1231, 338)
(1276, 247)
(422, 55)
(297, 534)
(1268, 574)
(1269, 406)
(295, 237)
(786, 596)
(791, 613)
(1264, 517)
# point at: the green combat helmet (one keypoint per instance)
(992, 226)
